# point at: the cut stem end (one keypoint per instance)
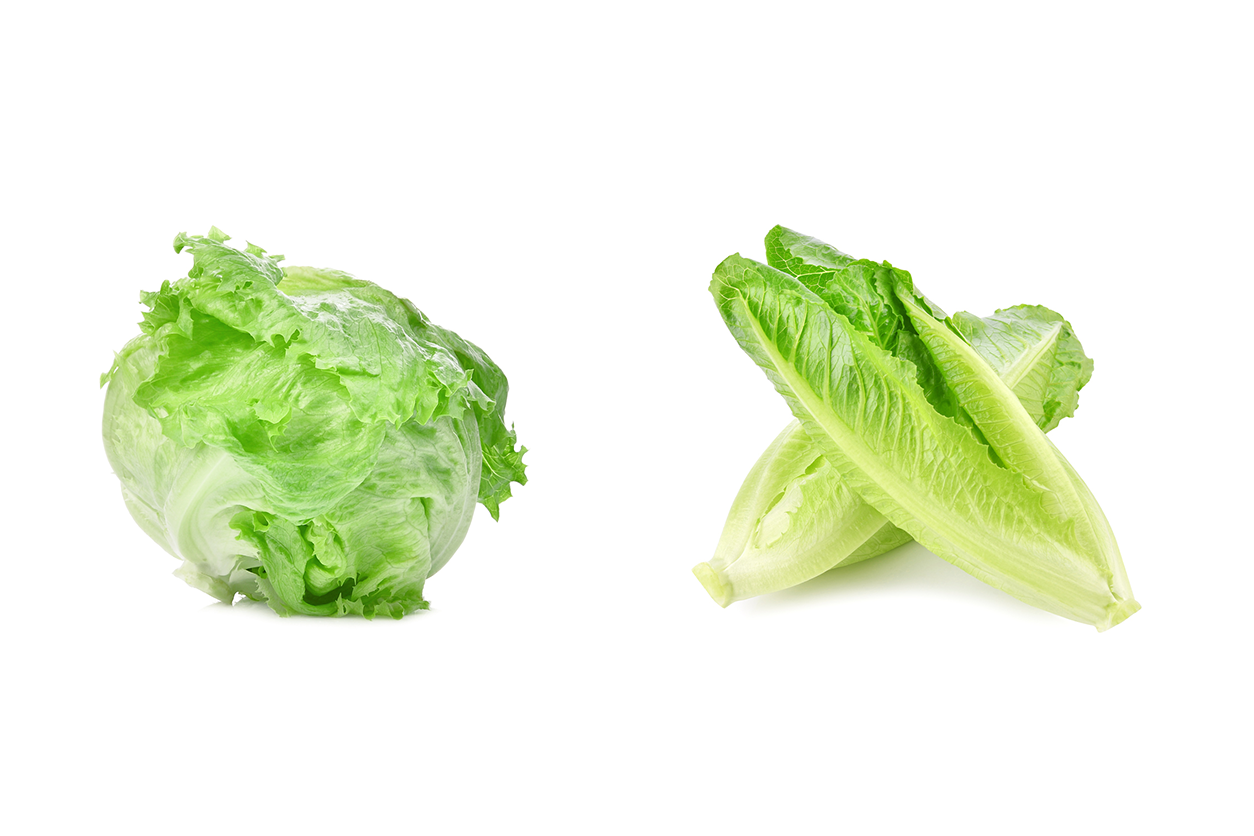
(1118, 613)
(713, 584)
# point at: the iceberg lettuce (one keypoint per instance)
(302, 437)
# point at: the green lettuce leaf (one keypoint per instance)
(1035, 351)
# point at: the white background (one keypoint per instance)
(556, 183)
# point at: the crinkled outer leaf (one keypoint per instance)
(281, 416)
(1036, 348)
(1033, 349)
(489, 389)
(372, 551)
(927, 473)
(303, 436)
(502, 461)
(860, 290)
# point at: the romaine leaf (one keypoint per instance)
(856, 289)
(1036, 352)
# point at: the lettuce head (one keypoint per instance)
(302, 437)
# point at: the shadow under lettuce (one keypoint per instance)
(906, 571)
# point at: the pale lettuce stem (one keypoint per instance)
(730, 577)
